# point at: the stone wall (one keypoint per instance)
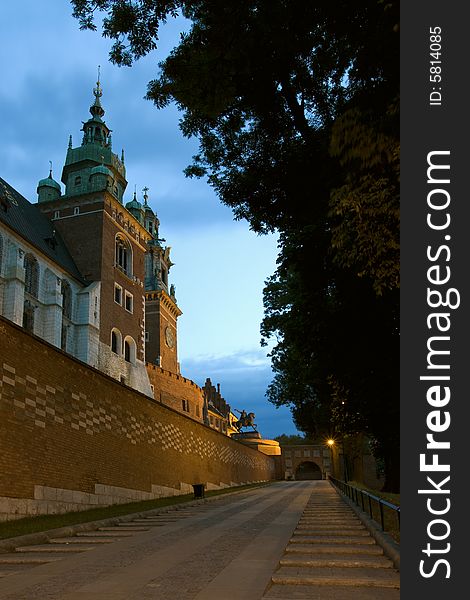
(72, 438)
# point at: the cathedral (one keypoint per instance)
(87, 272)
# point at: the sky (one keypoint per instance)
(49, 68)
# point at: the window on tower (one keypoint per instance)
(116, 341)
(117, 293)
(129, 302)
(129, 350)
(123, 255)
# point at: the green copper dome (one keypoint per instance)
(102, 170)
(134, 204)
(49, 182)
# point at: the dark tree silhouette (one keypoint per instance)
(295, 106)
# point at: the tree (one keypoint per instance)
(294, 103)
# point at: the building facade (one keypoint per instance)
(86, 271)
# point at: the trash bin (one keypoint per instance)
(199, 490)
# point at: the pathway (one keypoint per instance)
(233, 548)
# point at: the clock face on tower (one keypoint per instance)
(169, 337)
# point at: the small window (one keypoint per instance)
(76, 210)
(129, 350)
(123, 256)
(129, 302)
(56, 214)
(78, 180)
(147, 336)
(118, 294)
(198, 411)
(116, 341)
(185, 405)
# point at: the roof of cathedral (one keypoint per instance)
(28, 221)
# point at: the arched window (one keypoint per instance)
(66, 292)
(28, 316)
(129, 350)
(123, 255)
(116, 341)
(31, 276)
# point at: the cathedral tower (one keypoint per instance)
(108, 243)
(161, 308)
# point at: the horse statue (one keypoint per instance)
(245, 420)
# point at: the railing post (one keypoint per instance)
(382, 515)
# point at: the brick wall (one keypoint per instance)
(71, 437)
(171, 389)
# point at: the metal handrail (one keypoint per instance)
(352, 492)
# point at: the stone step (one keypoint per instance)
(333, 592)
(338, 560)
(330, 532)
(101, 534)
(366, 577)
(319, 510)
(316, 517)
(29, 558)
(123, 528)
(61, 548)
(149, 521)
(329, 511)
(366, 549)
(144, 522)
(82, 540)
(304, 525)
(346, 539)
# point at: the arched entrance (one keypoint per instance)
(308, 470)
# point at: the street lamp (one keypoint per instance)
(332, 442)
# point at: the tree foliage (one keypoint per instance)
(295, 106)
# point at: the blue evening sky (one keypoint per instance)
(49, 69)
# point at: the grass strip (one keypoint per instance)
(17, 527)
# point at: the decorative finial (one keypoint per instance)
(122, 156)
(50, 169)
(145, 190)
(97, 90)
(96, 109)
(135, 193)
(70, 142)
